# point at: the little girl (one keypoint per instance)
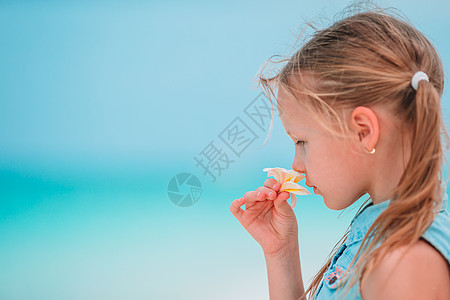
(361, 102)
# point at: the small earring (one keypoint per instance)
(371, 152)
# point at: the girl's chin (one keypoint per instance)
(332, 204)
(332, 207)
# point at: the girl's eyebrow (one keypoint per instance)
(296, 137)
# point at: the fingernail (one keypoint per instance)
(275, 186)
(271, 194)
(259, 194)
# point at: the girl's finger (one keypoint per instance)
(236, 209)
(270, 194)
(255, 196)
(272, 184)
(281, 203)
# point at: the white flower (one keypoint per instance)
(288, 180)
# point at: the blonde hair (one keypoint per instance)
(365, 59)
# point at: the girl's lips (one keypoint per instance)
(316, 190)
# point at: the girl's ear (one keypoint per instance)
(364, 122)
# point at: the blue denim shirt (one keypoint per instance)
(438, 235)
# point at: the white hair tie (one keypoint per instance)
(418, 77)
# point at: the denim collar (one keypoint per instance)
(444, 201)
(363, 220)
(369, 213)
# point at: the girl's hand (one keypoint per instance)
(268, 218)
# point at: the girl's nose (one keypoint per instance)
(298, 164)
(297, 167)
(298, 170)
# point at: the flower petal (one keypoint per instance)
(277, 173)
(293, 200)
(295, 188)
(288, 180)
(298, 192)
(282, 175)
(296, 177)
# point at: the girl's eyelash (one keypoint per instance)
(300, 142)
